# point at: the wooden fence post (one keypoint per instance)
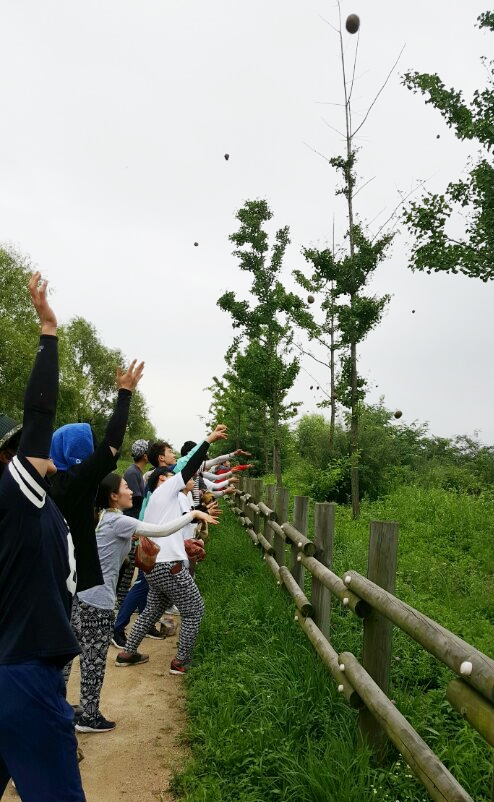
(270, 502)
(300, 515)
(282, 500)
(257, 495)
(323, 538)
(376, 654)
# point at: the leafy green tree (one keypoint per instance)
(87, 366)
(19, 330)
(265, 366)
(343, 278)
(467, 205)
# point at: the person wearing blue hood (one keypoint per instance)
(81, 467)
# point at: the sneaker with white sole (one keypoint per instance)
(129, 659)
(100, 724)
(176, 667)
(119, 640)
(155, 634)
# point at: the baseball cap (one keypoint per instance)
(139, 448)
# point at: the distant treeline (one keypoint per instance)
(87, 366)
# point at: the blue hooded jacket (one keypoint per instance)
(71, 444)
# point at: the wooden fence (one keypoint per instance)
(365, 684)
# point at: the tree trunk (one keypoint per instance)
(332, 391)
(354, 435)
(276, 447)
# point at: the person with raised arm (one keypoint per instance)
(93, 612)
(38, 747)
(170, 581)
(81, 467)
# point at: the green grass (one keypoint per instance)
(265, 720)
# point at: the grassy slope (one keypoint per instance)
(266, 722)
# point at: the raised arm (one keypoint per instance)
(127, 382)
(197, 458)
(41, 395)
(164, 530)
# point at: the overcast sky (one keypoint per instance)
(116, 116)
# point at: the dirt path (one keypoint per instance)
(137, 759)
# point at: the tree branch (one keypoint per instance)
(381, 89)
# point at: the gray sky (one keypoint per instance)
(115, 119)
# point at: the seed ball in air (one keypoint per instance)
(438, 136)
(398, 413)
(227, 156)
(196, 244)
(310, 299)
(311, 387)
(352, 23)
(413, 311)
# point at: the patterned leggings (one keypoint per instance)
(166, 588)
(93, 628)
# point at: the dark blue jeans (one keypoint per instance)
(136, 598)
(38, 747)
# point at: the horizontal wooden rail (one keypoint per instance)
(268, 548)
(302, 542)
(438, 781)
(266, 512)
(330, 659)
(252, 535)
(277, 529)
(469, 663)
(472, 707)
(275, 568)
(336, 585)
(252, 506)
(294, 590)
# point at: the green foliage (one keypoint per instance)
(19, 330)
(264, 367)
(390, 455)
(264, 718)
(87, 367)
(436, 248)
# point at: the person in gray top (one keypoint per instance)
(93, 611)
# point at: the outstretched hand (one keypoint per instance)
(220, 433)
(132, 376)
(37, 291)
(244, 453)
(204, 516)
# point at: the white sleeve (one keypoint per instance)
(219, 485)
(163, 530)
(217, 460)
(218, 493)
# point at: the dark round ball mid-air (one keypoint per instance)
(352, 23)
(227, 156)
(310, 299)
(398, 413)
(196, 244)
(413, 311)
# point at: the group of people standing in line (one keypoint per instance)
(61, 571)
